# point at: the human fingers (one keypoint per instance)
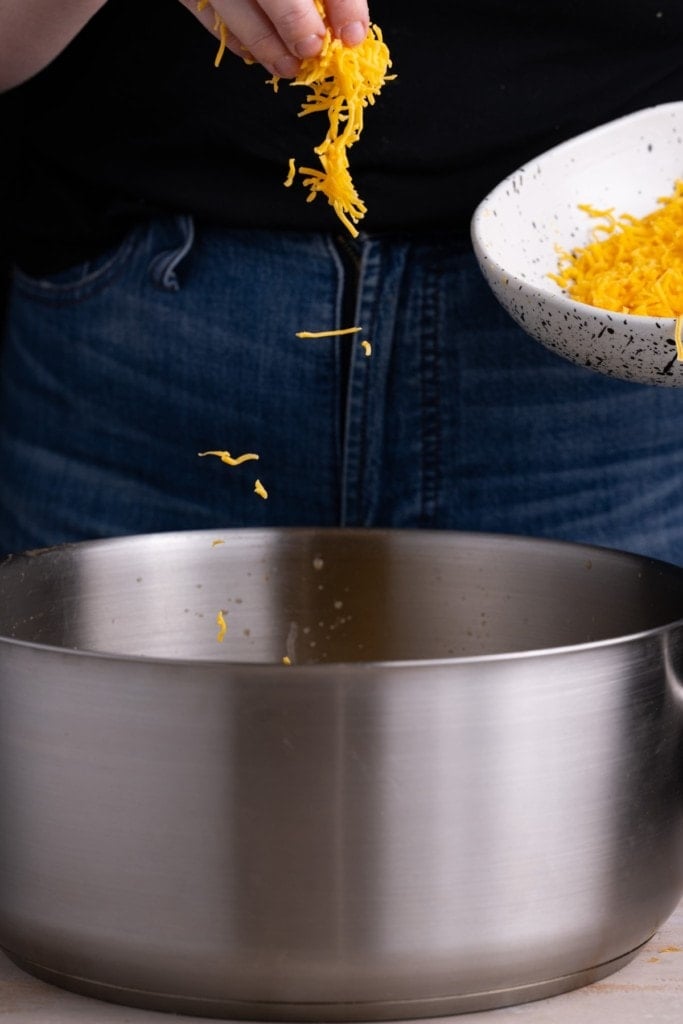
(296, 24)
(279, 33)
(348, 19)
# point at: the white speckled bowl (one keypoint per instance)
(626, 164)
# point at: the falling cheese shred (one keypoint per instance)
(328, 334)
(260, 489)
(231, 460)
(222, 627)
(291, 173)
(220, 28)
(631, 265)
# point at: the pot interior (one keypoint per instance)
(331, 595)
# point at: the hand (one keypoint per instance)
(279, 33)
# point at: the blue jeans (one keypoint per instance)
(117, 373)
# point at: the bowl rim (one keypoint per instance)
(565, 302)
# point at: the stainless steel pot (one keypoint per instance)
(465, 791)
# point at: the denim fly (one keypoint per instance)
(117, 373)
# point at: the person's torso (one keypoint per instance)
(134, 119)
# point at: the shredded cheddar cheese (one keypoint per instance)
(631, 265)
(291, 173)
(229, 459)
(328, 334)
(366, 345)
(220, 27)
(222, 627)
(237, 460)
(342, 81)
(286, 660)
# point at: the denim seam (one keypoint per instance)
(355, 459)
(163, 268)
(429, 386)
(341, 398)
(75, 292)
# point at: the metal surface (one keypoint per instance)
(466, 791)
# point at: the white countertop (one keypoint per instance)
(650, 988)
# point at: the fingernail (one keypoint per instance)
(286, 67)
(353, 33)
(308, 47)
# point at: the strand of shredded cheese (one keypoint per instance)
(222, 626)
(328, 334)
(366, 345)
(229, 459)
(631, 265)
(289, 180)
(220, 27)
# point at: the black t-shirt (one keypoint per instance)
(133, 119)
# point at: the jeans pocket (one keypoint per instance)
(81, 281)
